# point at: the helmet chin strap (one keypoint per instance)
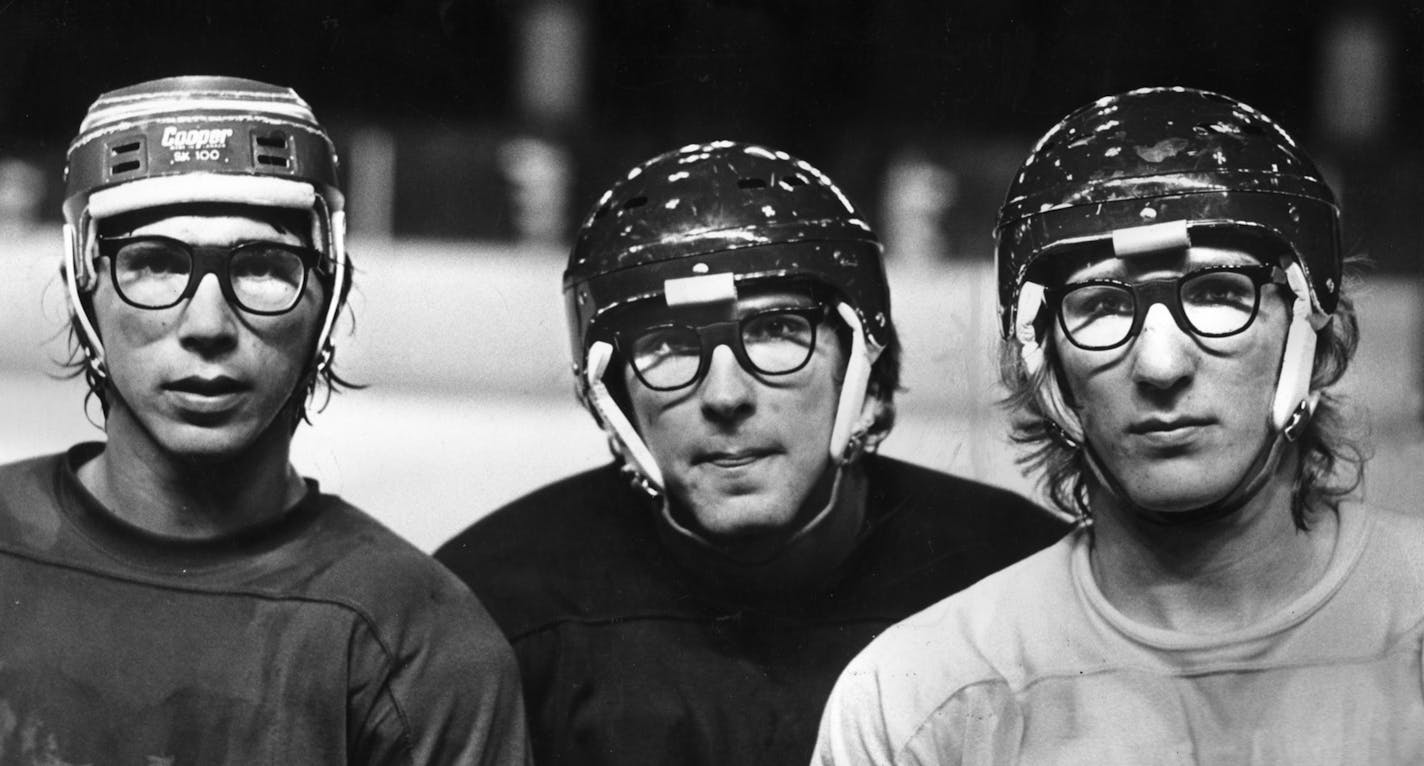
(74, 259)
(626, 439)
(848, 432)
(1291, 407)
(853, 421)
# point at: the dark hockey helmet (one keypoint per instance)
(722, 207)
(1158, 156)
(720, 216)
(200, 139)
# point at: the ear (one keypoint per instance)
(875, 409)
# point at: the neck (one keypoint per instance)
(765, 570)
(174, 495)
(1215, 577)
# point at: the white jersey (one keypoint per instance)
(1033, 666)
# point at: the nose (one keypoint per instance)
(1164, 357)
(727, 392)
(208, 325)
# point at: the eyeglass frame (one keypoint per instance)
(1168, 292)
(723, 333)
(218, 264)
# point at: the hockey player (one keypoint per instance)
(693, 602)
(178, 594)
(1170, 289)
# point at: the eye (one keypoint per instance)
(660, 342)
(151, 259)
(777, 327)
(1093, 301)
(261, 262)
(1219, 288)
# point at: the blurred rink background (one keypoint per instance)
(474, 136)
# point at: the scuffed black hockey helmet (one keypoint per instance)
(1160, 155)
(722, 207)
(695, 225)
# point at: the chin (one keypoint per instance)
(1175, 493)
(742, 518)
(196, 444)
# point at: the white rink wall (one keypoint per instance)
(470, 404)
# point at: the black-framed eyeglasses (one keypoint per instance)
(673, 355)
(157, 272)
(1213, 302)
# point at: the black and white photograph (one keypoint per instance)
(711, 382)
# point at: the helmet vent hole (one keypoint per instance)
(127, 155)
(792, 181)
(273, 150)
(751, 183)
(602, 211)
(635, 202)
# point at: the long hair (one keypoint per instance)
(1331, 464)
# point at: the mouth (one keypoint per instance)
(1169, 431)
(220, 385)
(736, 458)
(206, 395)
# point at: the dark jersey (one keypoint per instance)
(630, 659)
(320, 638)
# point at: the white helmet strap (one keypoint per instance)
(93, 349)
(1031, 351)
(853, 419)
(1298, 361)
(625, 436)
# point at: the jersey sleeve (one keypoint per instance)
(873, 720)
(853, 728)
(441, 689)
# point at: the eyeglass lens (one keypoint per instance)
(775, 343)
(1101, 315)
(265, 277)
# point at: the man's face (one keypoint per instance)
(205, 378)
(1177, 418)
(741, 453)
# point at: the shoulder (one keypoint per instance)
(1406, 528)
(963, 658)
(1390, 541)
(29, 500)
(403, 593)
(529, 518)
(431, 673)
(31, 478)
(931, 534)
(585, 544)
(970, 635)
(965, 503)
(566, 518)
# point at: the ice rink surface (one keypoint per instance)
(469, 401)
